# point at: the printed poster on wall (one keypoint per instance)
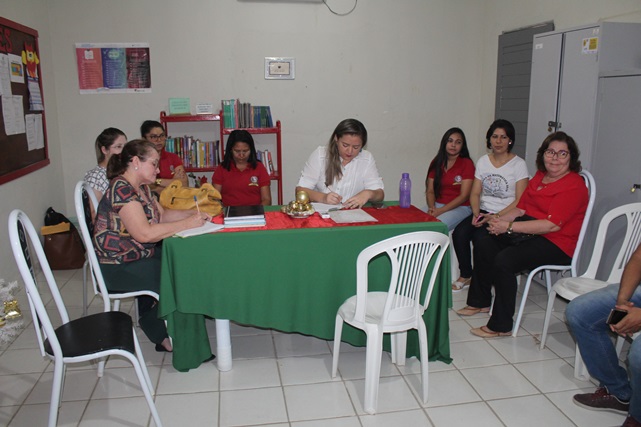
(113, 67)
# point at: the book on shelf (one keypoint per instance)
(239, 115)
(193, 152)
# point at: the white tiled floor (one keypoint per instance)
(284, 380)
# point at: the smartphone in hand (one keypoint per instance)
(616, 316)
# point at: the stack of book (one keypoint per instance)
(238, 114)
(244, 216)
(265, 157)
(193, 152)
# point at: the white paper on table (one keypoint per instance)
(323, 208)
(351, 215)
(208, 227)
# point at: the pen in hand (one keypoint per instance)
(197, 207)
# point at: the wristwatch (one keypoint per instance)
(158, 181)
(509, 228)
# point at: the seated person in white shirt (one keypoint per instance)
(342, 172)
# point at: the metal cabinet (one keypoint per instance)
(617, 157)
(566, 66)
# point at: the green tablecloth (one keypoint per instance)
(289, 280)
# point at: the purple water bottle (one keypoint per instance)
(405, 191)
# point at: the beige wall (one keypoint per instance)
(409, 69)
(35, 192)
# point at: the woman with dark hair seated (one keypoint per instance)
(343, 171)
(555, 202)
(241, 179)
(129, 223)
(449, 180)
(170, 166)
(499, 180)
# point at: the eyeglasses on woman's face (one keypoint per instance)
(561, 154)
(156, 137)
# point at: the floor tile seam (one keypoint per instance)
(534, 385)
(29, 394)
(559, 408)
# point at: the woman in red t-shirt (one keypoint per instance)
(449, 180)
(555, 199)
(241, 179)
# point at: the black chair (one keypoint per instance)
(93, 337)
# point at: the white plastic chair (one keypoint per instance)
(88, 338)
(88, 199)
(572, 287)
(395, 311)
(547, 270)
(82, 211)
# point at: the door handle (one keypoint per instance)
(635, 187)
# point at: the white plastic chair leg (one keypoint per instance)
(619, 344)
(548, 315)
(580, 370)
(338, 332)
(372, 370)
(399, 347)
(526, 290)
(422, 339)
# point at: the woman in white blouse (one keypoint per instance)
(342, 172)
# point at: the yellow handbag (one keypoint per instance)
(175, 196)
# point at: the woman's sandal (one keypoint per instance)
(459, 285)
(485, 332)
(471, 311)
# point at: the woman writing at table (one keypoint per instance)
(343, 172)
(241, 179)
(129, 222)
(555, 201)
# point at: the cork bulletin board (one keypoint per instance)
(23, 136)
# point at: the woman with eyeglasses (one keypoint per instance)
(170, 166)
(129, 224)
(241, 179)
(499, 180)
(546, 223)
(449, 180)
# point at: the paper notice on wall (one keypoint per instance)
(5, 77)
(13, 115)
(16, 69)
(113, 67)
(35, 132)
(590, 45)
